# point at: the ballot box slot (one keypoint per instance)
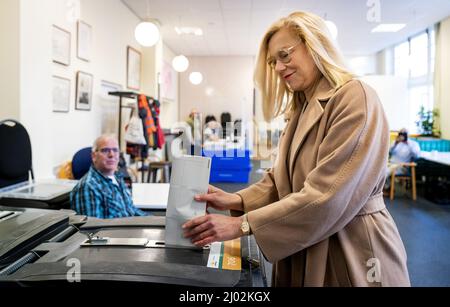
(6, 215)
(97, 241)
(64, 234)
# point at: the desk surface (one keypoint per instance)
(150, 195)
(436, 156)
(45, 189)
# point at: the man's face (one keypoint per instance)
(106, 157)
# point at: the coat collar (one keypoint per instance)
(323, 91)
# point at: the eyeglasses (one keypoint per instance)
(283, 55)
(107, 150)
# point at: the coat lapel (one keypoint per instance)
(281, 171)
(309, 118)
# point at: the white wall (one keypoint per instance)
(362, 65)
(150, 69)
(393, 93)
(227, 87)
(385, 62)
(57, 136)
(170, 109)
(9, 59)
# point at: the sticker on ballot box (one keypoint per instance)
(225, 255)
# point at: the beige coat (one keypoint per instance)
(320, 216)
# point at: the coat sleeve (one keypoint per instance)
(350, 165)
(259, 194)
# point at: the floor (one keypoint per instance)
(425, 230)
(423, 226)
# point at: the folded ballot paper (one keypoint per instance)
(190, 176)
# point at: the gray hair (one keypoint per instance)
(101, 138)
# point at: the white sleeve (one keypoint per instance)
(415, 149)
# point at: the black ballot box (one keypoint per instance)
(43, 194)
(57, 247)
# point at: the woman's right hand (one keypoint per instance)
(220, 200)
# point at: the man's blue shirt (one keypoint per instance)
(96, 195)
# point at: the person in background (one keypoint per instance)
(212, 131)
(403, 150)
(191, 119)
(102, 193)
(319, 214)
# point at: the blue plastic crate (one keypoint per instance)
(229, 159)
(230, 175)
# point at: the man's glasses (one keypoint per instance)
(283, 55)
(107, 150)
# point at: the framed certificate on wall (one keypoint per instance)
(60, 46)
(84, 41)
(61, 94)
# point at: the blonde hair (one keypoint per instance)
(313, 32)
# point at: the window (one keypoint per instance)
(419, 56)
(401, 54)
(414, 60)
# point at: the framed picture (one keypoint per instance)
(61, 94)
(83, 100)
(133, 68)
(106, 87)
(84, 41)
(167, 82)
(60, 46)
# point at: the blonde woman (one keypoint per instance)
(319, 214)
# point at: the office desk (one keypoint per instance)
(436, 156)
(150, 196)
(434, 169)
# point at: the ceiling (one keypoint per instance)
(235, 27)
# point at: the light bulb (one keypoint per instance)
(196, 78)
(180, 63)
(146, 33)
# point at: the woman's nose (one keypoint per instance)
(279, 66)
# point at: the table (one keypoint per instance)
(436, 156)
(44, 193)
(153, 196)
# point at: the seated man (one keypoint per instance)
(213, 130)
(403, 150)
(101, 193)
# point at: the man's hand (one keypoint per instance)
(212, 228)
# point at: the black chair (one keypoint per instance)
(81, 162)
(16, 162)
(15, 153)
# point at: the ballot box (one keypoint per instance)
(56, 247)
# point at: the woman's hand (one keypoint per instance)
(212, 228)
(220, 200)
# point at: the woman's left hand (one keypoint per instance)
(212, 228)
